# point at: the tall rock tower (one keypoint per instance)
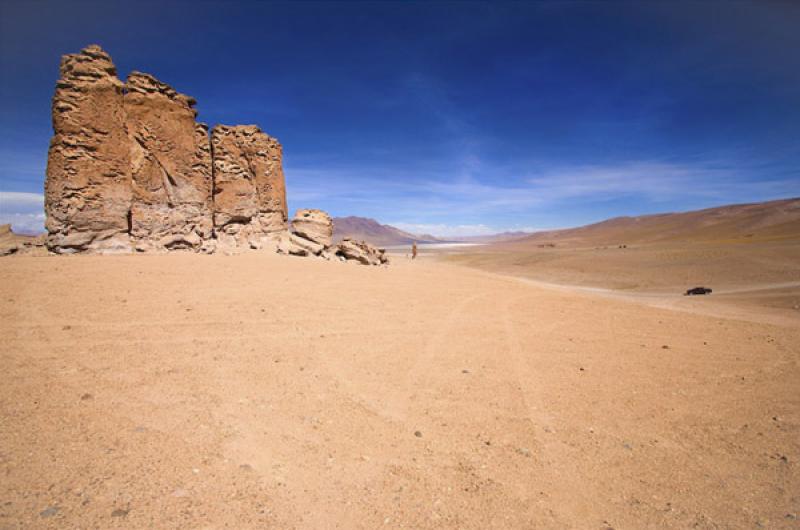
(88, 188)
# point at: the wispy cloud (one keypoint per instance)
(14, 201)
(474, 199)
(24, 223)
(655, 181)
(24, 211)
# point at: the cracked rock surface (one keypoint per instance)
(170, 167)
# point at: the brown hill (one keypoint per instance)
(766, 221)
(738, 249)
(371, 231)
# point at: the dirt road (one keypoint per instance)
(255, 390)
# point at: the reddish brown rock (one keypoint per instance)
(249, 190)
(170, 158)
(88, 188)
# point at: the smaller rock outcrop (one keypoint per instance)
(314, 225)
(362, 252)
(313, 235)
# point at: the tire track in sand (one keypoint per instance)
(515, 350)
(398, 404)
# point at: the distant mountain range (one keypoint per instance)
(773, 220)
(379, 234)
(375, 233)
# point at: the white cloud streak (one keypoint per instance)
(435, 199)
(23, 211)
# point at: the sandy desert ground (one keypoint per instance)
(749, 254)
(759, 275)
(262, 391)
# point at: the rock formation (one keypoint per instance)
(88, 189)
(249, 190)
(314, 225)
(362, 252)
(170, 159)
(312, 236)
(312, 231)
(130, 168)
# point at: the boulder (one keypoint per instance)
(88, 187)
(295, 245)
(311, 246)
(362, 252)
(314, 225)
(170, 166)
(249, 191)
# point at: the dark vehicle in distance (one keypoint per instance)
(697, 290)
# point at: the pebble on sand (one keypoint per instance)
(49, 512)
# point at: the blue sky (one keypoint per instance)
(450, 118)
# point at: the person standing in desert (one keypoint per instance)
(413, 250)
